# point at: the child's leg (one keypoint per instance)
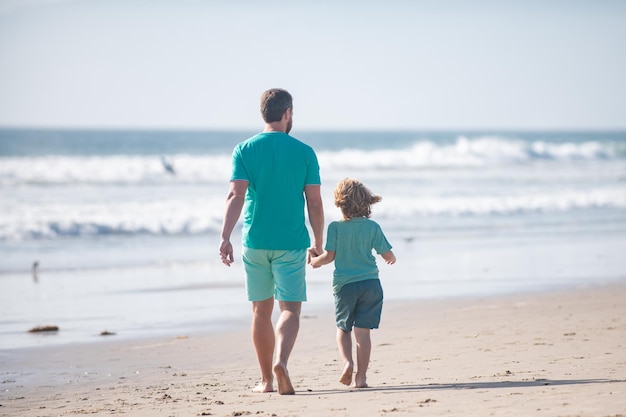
(344, 342)
(363, 350)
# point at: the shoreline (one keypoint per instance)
(170, 299)
(552, 353)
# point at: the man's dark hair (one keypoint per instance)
(274, 103)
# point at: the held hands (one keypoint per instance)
(312, 257)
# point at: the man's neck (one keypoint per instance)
(275, 127)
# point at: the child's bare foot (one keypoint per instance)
(264, 387)
(346, 375)
(282, 378)
(360, 381)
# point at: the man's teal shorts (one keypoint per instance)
(359, 304)
(275, 273)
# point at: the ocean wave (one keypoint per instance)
(563, 201)
(50, 221)
(204, 216)
(117, 170)
(476, 152)
(206, 169)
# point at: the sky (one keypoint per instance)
(401, 65)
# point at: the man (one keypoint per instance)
(273, 175)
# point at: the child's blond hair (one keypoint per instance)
(354, 199)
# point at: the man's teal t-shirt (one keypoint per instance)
(277, 167)
(352, 241)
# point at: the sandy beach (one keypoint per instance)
(545, 354)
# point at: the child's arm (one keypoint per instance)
(325, 258)
(389, 257)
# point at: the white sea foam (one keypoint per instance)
(188, 217)
(118, 169)
(207, 169)
(480, 152)
(479, 205)
(202, 215)
(72, 196)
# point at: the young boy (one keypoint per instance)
(357, 289)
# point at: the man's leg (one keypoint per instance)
(344, 342)
(363, 350)
(286, 333)
(263, 340)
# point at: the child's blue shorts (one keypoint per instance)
(359, 304)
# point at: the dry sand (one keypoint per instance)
(549, 354)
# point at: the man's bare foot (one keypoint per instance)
(264, 387)
(346, 375)
(360, 381)
(282, 378)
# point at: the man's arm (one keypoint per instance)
(234, 204)
(315, 209)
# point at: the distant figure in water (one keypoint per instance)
(35, 266)
(167, 165)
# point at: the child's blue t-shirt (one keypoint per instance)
(352, 241)
(277, 167)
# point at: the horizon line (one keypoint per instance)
(312, 130)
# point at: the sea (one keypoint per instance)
(117, 231)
